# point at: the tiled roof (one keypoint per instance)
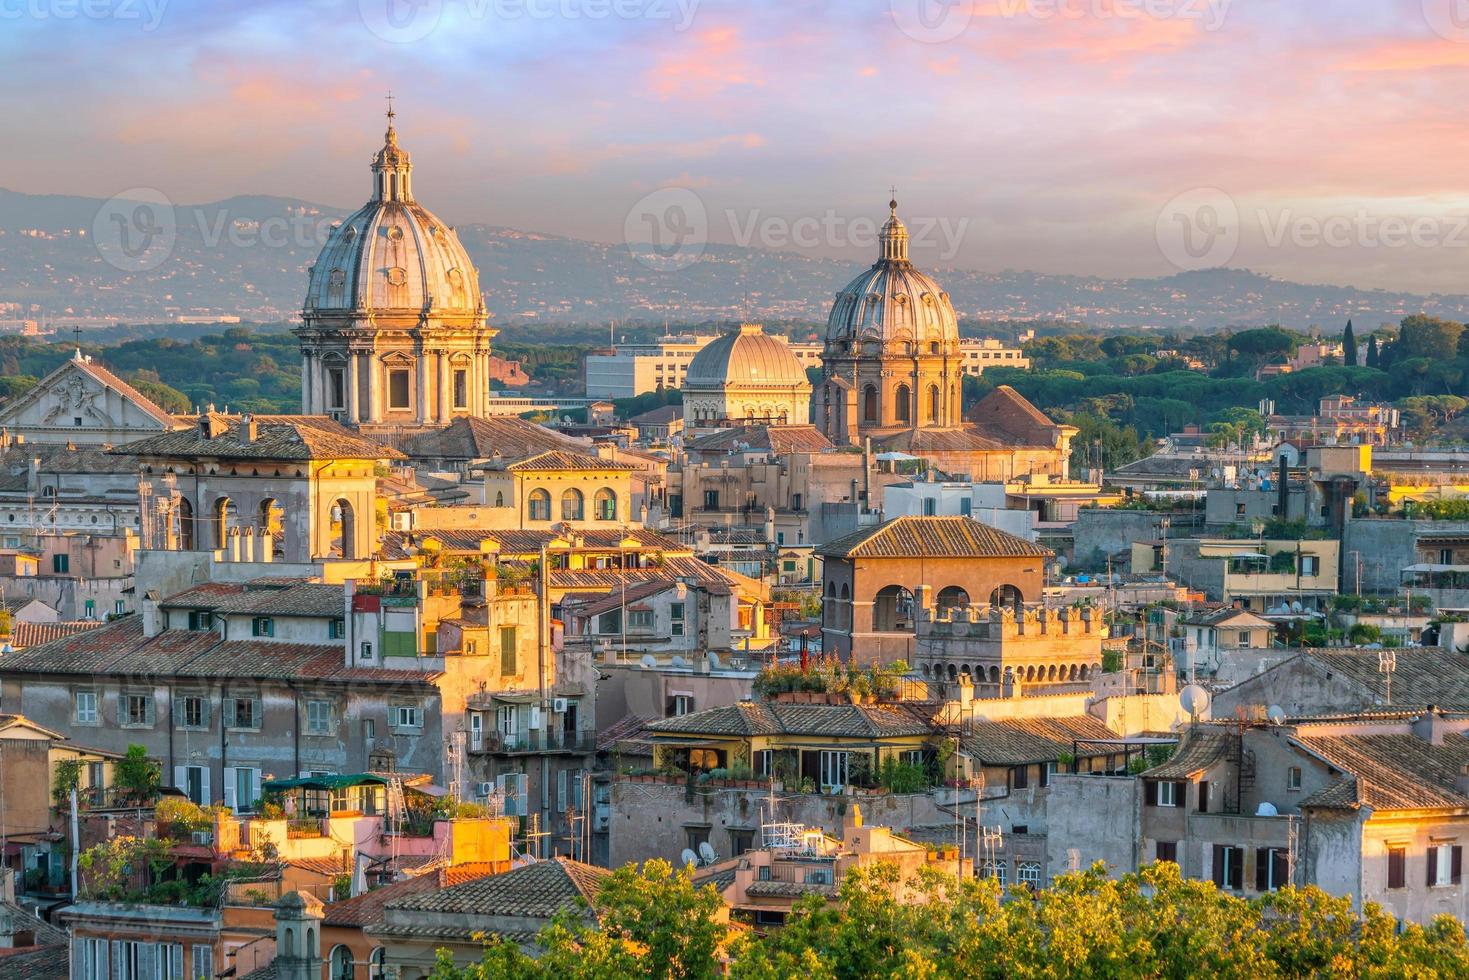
(1018, 741)
(1422, 675)
(1007, 415)
(615, 600)
(367, 908)
(207, 595)
(778, 718)
(278, 437)
(787, 889)
(306, 599)
(662, 415)
(627, 727)
(31, 634)
(1200, 750)
(482, 438)
(1392, 771)
(957, 439)
(537, 890)
(46, 933)
(15, 464)
(49, 962)
(121, 648)
(319, 865)
(529, 543)
(763, 438)
(932, 537)
(1220, 617)
(562, 460)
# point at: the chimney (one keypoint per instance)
(1430, 726)
(152, 618)
(248, 430)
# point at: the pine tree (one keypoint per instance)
(1349, 346)
(1372, 350)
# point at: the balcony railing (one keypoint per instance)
(498, 743)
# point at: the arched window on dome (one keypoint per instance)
(539, 504)
(933, 403)
(869, 404)
(571, 505)
(903, 407)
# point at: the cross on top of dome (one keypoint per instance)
(392, 165)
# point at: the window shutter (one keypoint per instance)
(204, 705)
(1281, 861)
(149, 705)
(231, 777)
(1397, 872)
(1203, 796)
(561, 791)
(1218, 869)
(118, 967)
(1236, 867)
(204, 786)
(181, 778)
(1150, 792)
(229, 712)
(178, 711)
(1456, 864)
(1262, 869)
(1432, 865)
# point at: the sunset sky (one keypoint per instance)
(1055, 132)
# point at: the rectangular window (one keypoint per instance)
(1203, 796)
(336, 629)
(203, 960)
(930, 506)
(507, 720)
(640, 619)
(1293, 778)
(200, 620)
(1445, 864)
(694, 836)
(135, 710)
(86, 707)
(1168, 794)
(995, 870)
(461, 388)
(711, 499)
(683, 704)
(369, 731)
(60, 564)
(833, 771)
(1229, 867)
(1028, 873)
(242, 713)
(318, 717)
(192, 711)
(407, 717)
(741, 841)
(1166, 850)
(1019, 777)
(89, 609)
(398, 389)
(764, 760)
(676, 618)
(120, 607)
(610, 622)
(1272, 868)
(509, 662)
(1397, 867)
(365, 652)
(1310, 565)
(336, 390)
(262, 626)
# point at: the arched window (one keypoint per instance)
(539, 505)
(1007, 595)
(902, 407)
(343, 530)
(186, 524)
(376, 962)
(500, 498)
(869, 404)
(342, 967)
(892, 610)
(225, 517)
(605, 504)
(272, 522)
(951, 598)
(933, 403)
(571, 505)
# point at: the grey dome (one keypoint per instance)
(893, 302)
(745, 357)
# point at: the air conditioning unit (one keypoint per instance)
(535, 718)
(203, 837)
(558, 705)
(403, 521)
(487, 789)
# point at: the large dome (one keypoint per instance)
(746, 357)
(892, 302)
(393, 255)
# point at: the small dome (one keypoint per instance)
(746, 357)
(892, 302)
(393, 254)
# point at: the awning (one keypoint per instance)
(894, 456)
(325, 782)
(1425, 567)
(516, 697)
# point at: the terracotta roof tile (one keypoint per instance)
(1392, 771)
(932, 537)
(482, 438)
(563, 460)
(538, 890)
(763, 438)
(777, 718)
(32, 634)
(1199, 750)
(1019, 741)
(278, 437)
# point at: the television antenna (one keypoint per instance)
(1387, 662)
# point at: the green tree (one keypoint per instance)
(1372, 351)
(1349, 346)
(138, 776)
(1420, 335)
(1264, 345)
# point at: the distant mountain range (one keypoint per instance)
(247, 257)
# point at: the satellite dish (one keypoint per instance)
(713, 660)
(678, 661)
(706, 851)
(1276, 714)
(688, 857)
(648, 662)
(1266, 809)
(1194, 699)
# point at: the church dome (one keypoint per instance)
(393, 255)
(746, 357)
(892, 302)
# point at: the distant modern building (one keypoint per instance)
(629, 370)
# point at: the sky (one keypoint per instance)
(1314, 140)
